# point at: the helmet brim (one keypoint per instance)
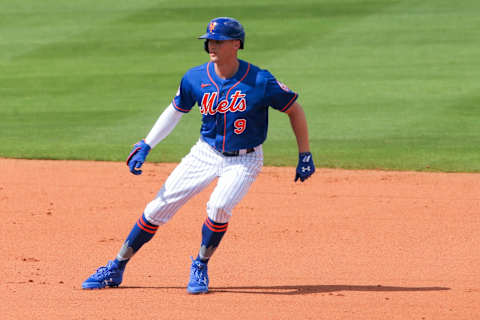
(216, 36)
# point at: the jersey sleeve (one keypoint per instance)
(280, 97)
(184, 100)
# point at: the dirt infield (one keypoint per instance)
(343, 245)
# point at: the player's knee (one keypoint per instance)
(219, 214)
(157, 212)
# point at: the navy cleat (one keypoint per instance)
(198, 278)
(110, 275)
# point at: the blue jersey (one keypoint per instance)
(235, 110)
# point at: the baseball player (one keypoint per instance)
(233, 97)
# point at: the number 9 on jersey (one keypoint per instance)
(240, 125)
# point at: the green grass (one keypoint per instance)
(386, 84)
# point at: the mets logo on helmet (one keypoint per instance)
(212, 26)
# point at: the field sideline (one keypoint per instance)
(386, 84)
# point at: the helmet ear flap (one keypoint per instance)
(205, 45)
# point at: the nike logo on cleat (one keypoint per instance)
(203, 85)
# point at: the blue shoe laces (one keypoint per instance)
(104, 272)
(199, 271)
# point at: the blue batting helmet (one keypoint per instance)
(224, 28)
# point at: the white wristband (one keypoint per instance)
(164, 125)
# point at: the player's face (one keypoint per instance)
(223, 50)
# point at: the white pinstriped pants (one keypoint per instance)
(195, 172)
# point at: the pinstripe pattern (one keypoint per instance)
(195, 172)
(237, 175)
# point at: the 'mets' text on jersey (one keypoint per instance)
(235, 110)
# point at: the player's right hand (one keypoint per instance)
(137, 156)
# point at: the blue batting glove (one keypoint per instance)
(137, 157)
(305, 167)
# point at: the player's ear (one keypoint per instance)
(237, 44)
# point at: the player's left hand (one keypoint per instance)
(137, 156)
(305, 167)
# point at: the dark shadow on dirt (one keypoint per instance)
(303, 289)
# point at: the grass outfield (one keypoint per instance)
(385, 83)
